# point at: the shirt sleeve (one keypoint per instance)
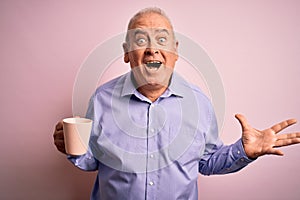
(219, 158)
(227, 159)
(86, 162)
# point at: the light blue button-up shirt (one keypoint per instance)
(154, 150)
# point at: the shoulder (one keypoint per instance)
(198, 92)
(186, 87)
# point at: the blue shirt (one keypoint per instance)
(154, 150)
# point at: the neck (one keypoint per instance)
(152, 92)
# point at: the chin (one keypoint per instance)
(154, 86)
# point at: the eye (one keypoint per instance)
(141, 41)
(162, 40)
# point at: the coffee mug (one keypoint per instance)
(76, 135)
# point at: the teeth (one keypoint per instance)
(153, 64)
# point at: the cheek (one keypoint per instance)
(171, 59)
(135, 57)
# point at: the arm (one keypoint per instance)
(220, 159)
(224, 160)
(86, 162)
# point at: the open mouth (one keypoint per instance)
(153, 64)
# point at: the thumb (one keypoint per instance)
(243, 121)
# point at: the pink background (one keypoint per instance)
(255, 46)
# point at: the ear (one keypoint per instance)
(126, 50)
(176, 49)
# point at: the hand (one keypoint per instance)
(258, 143)
(58, 137)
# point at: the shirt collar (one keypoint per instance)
(177, 85)
(128, 86)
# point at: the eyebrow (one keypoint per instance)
(141, 31)
(162, 30)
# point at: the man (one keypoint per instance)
(153, 132)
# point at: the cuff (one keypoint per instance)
(239, 153)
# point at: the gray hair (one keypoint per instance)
(148, 10)
(144, 11)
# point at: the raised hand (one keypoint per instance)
(258, 143)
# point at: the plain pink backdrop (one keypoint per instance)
(254, 44)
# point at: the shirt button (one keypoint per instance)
(238, 152)
(151, 183)
(152, 130)
(151, 156)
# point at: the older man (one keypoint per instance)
(153, 132)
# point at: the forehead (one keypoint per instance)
(151, 20)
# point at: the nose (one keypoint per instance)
(151, 51)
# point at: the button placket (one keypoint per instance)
(153, 128)
(151, 183)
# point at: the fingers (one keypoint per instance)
(59, 126)
(60, 145)
(287, 142)
(276, 152)
(59, 141)
(288, 136)
(58, 132)
(282, 125)
(243, 121)
(287, 139)
(58, 137)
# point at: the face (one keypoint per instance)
(151, 50)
